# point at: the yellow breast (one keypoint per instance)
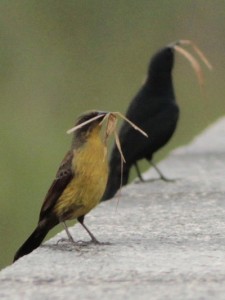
(90, 177)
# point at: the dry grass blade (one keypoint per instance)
(110, 128)
(198, 51)
(111, 124)
(117, 141)
(122, 161)
(82, 124)
(202, 56)
(196, 66)
(183, 42)
(131, 123)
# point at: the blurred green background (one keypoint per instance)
(60, 58)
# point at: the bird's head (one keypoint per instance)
(90, 120)
(97, 117)
(163, 61)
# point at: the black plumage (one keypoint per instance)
(153, 109)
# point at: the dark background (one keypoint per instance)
(60, 58)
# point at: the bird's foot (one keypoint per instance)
(62, 240)
(100, 243)
(154, 179)
(83, 243)
(96, 242)
(142, 180)
(167, 179)
(75, 243)
(139, 180)
(93, 241)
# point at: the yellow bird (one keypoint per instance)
(78, 186)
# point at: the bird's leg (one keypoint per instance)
(69, 236)
(138, 172)
(162, 177)
(68, 233)
(93, 238)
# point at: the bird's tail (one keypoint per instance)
(34, 239)
(115, 179)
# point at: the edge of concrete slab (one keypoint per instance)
(167, 239)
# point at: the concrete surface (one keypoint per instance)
(167, 239)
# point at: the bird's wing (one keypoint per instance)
(63, 177)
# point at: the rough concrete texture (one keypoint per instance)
(167, 239)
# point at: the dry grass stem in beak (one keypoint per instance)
(198, 51)
(196, 66)
(110, 128)
(110, 125)
(117, 141)
(82, 124)
(131, 123)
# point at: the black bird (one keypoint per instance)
(153, 109)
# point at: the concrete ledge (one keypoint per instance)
(168, 239)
